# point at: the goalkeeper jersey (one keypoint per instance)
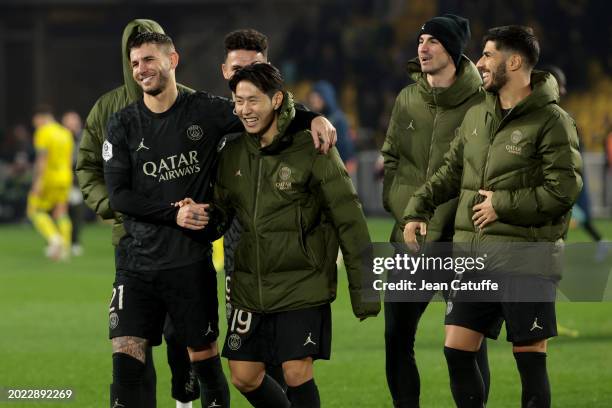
(57, 143)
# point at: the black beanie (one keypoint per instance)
(452, 31)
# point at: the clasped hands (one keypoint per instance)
(192, 215)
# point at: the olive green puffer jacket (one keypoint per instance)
(423, 124)
(529, 159)
(295, 206)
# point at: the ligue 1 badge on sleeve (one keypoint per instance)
(107, 150)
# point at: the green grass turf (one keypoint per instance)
(53, 333)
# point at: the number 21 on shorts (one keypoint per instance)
(119, 289)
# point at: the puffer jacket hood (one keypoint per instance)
(544, 91)
(135, 26)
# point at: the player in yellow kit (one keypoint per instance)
(48, 197)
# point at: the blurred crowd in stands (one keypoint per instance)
(347, 60)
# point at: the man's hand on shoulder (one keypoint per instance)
(323, 134)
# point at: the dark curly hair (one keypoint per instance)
(246, 39)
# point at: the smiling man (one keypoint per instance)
(295, 206)
(515, 167)
(423, 123)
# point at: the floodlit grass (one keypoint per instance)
(53, 334)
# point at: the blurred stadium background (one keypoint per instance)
(67, 54)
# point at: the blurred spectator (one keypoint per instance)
(322, 98)
(72, 121)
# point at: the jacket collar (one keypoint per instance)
(544, 91)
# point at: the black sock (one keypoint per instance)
(465, 380)
(213, 385)
(482, 359)
(305, 395)
(126, 388)
(185, 386)
(276, 372)
(534, 378)
(268, 395)
(149, 381)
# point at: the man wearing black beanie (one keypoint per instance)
(423, 123)
(452, 31)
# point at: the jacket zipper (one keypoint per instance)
(433, 135)
(495, 128)
(259, 285)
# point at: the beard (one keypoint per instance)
(498, 79)
(163, 82)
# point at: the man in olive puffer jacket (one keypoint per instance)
(295, 206)
(515, 166)
(423, 124)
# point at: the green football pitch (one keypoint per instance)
(53, 334)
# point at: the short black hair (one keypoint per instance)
(246, 39)
(264, 76)
(149, 38)
(520, 39)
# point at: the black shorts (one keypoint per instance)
(526, 322)
(187, 294)
(278, 337)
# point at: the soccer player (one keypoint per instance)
(422, 126)
(51, 183)
(159, 150)
(90, 173)
(294, 205)
(515, 167)
(242, 47)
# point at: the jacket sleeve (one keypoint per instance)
(89, 166)
(390, 152)
(118, 176)
(561, 165)
(442, 186)
(223, 213)
(347, 216)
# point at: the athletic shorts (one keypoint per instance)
(526, 322)
(49, 198)
(278, 337)
(188, 295)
